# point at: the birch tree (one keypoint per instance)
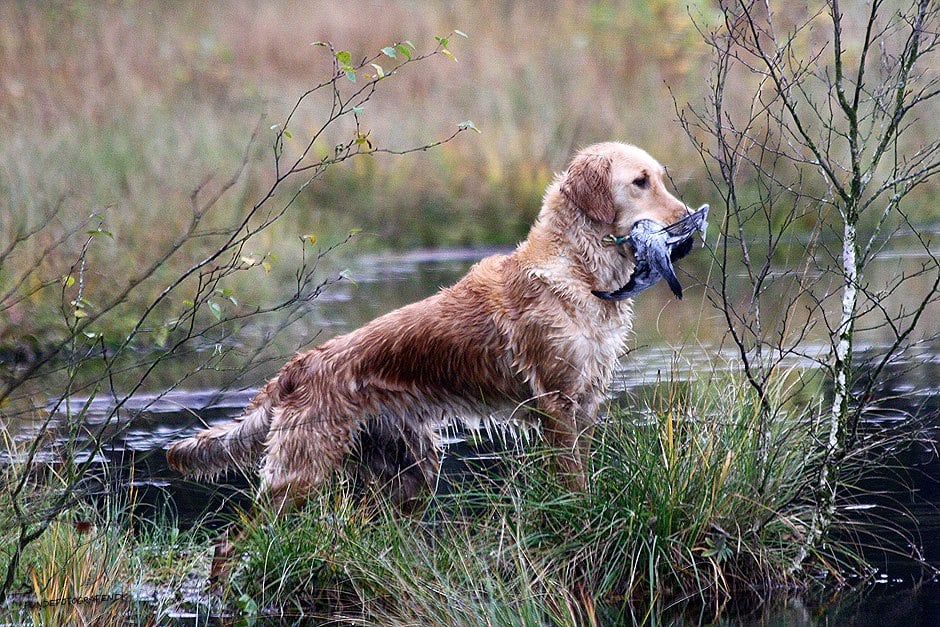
(816, 131)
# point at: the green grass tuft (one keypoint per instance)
(696, 496)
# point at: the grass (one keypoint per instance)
(121, 110)
(695, 498)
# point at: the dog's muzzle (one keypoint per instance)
(656, 248)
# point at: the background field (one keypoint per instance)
(119, 110)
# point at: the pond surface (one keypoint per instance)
(665, 329)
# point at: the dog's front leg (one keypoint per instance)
(586, 419)
(559, 415)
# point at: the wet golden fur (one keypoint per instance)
(519, 331)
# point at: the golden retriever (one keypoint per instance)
(519, 330)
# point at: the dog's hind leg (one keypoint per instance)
(302, 451)
(396, 460)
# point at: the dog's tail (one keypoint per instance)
(237, 443)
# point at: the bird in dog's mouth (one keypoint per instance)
(656, 248)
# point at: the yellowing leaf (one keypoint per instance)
(468, 124)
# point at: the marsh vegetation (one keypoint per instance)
(187, 199)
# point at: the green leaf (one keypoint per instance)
(68, 280)
(347, 276)
(100, 231)
(216, 310)
(78, 308)
(388, 51)
(403, 49)
(287, 134)
(319, 43)
(357, 110)
(351, 75)
(248, 606)
(447, 53)
(160, 335)
(229, 294)
(441, 40)
(309, 238)
(379, 72)
(344, 57)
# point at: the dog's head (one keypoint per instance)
(597, 207)
(615, 185)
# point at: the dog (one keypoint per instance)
(520, 330)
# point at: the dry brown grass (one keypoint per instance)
(539, 78)
(123, 108)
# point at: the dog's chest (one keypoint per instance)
(600, 336)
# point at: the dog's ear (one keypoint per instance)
(588, 186)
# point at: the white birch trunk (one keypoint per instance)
(825, 506)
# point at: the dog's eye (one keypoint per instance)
(642, 182)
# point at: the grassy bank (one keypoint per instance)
(694, 496)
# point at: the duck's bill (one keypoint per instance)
(656, 248)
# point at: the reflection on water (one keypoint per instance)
(671, 337)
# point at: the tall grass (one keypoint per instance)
(690, 498)
(695, 497)
(101, 562)
(119, 111)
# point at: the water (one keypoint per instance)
(903, 592)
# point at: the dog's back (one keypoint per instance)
(446, 355)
